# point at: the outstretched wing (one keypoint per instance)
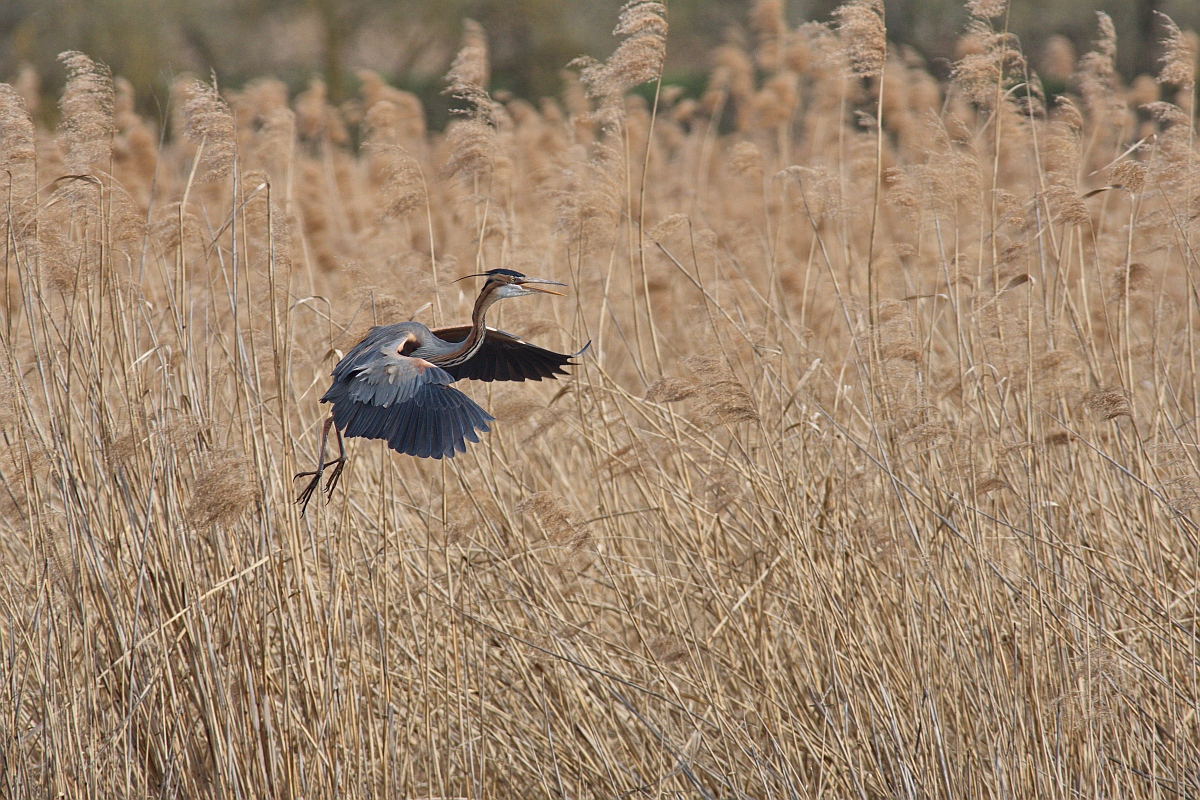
(504, 357)
(377, 393)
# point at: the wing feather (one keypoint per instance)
(504, 357)
(379, 394)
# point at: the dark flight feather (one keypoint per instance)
(433, 424)
(504, 357)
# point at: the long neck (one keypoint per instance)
(470, 345)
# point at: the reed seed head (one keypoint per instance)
(223, 491)
(208, 123)
(746, 160)
(469, 73)
(668, 227)
(670, 390)
(1180, 54)
(86, 127)
(637, 60)
(1108, 403)
(1129, 175)
(17, 137)
(726, 400)
(554, 514)
(987, 9)
(860, 27)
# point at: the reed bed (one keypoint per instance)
(879, 479)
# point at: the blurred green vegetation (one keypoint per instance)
(410, 42)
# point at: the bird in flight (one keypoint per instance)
(396, 383)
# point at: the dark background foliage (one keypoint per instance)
(410, 42)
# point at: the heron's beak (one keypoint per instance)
(525, 282)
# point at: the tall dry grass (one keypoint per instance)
(879, 479)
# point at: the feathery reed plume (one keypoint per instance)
(732, 78)
(469, 72)
(1180, 53)
(639, 58)
(1096, 74)
(208, 123)
(586, 192)
(670, 390)
(135, 148)
(513, 407)
(994, 57)
(1129, 175)
(257, 100)
(1057, 371)
(1066, 205)
(988, 483)
(668, 227)
(402, 184)
(726, 400)
(636, 60)
(860, 27)
(896, 342)
(667, 649)
(1108, 403)
(472, 144)
(127, 221)
(471, 141)
(1137, 277)
(1106, 42)
(926, 436)
(1067, 113)
(746, 160)
(820, 191)
(777, 101)
(17, 137)
(987, 9)
(407, 121)
(223, 491)
(266, 125)
(273, 145)
(86, 127)
(316, 120)
(1167, 114)
(556, 518)
(1183, 493)
(165, 226)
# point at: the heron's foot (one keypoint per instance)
(339, 464)
(312, 485)
(331, 484)
(307, 494)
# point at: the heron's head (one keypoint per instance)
(502, 283)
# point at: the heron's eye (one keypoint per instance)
(410, 345)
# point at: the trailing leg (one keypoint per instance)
(316, 474)
(340, 463)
